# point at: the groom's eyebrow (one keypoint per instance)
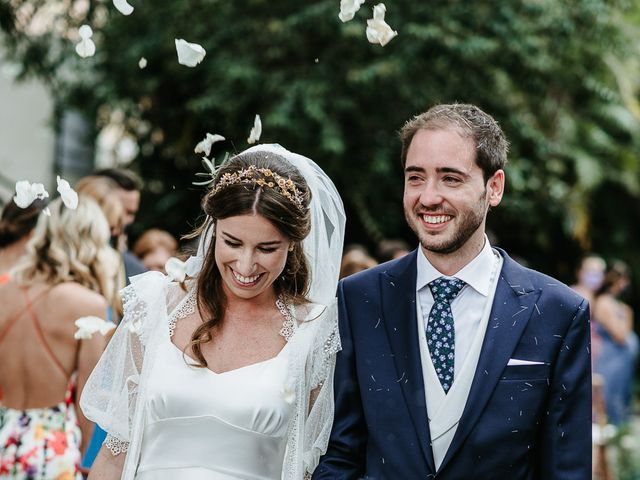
(414, 168)
(457, 171)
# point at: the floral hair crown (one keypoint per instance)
(263, 177)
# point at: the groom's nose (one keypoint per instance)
(430, 195)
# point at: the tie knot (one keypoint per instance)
(446, 289)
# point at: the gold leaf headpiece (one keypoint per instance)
(263, 177)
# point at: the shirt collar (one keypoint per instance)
(476, 273)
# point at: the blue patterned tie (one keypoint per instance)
(441, 330)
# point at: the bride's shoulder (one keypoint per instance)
(181, 298)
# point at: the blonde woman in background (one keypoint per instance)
(66, 273)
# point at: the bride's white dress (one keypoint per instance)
(219, 426)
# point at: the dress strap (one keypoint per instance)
(12, 321)
(40, 333)
(70, 395)
(185, 307)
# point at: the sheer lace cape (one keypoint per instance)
(115, 394)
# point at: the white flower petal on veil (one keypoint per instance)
(193, 265)
(189, 54)
(142, 63)
(27, 192)
(68, 194)
(348, 9)
(123, 7)
(205, 145)
(256, 130)
(87, 326)
(378, 31)
(176, 269)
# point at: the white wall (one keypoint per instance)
(27, 140)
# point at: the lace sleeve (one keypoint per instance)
(110, 395)
(321, 364)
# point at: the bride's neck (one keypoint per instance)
(251, 306)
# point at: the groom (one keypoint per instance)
(456, 361)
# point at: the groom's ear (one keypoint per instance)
(495, 188)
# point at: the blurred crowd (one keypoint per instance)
(614, 353)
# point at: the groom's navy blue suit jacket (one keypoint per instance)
(519, 422)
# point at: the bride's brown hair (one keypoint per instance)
(288, 214)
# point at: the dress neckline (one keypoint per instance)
(183, 355)
(187, 306)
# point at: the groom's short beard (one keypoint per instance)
(469, 224)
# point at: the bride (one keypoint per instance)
(228, 375)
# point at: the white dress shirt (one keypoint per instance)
(468, 306)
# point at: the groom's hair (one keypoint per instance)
(469, 121)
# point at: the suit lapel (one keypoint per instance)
(398, 292)
(513, 304)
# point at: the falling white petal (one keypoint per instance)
(176, 269)
(27, 192)
(378, 31)
(205, 145)
(85, 32)
(123, 7)
(87, 326)
(189, 54)
(142, 63)
(24, 196)
(86, 48)
(256, 131)
(47, 212)
(348, 9)
(68, 194)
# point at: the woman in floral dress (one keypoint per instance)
(66, 274)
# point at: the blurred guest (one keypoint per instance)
(66, 273)
(590, 276)
(589, 279)
(355, 259)
(392, 249)
(618, 342)
(154, 248)
(16, 228)
(129, 187)
(105, 191)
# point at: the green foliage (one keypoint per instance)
(543, 68)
